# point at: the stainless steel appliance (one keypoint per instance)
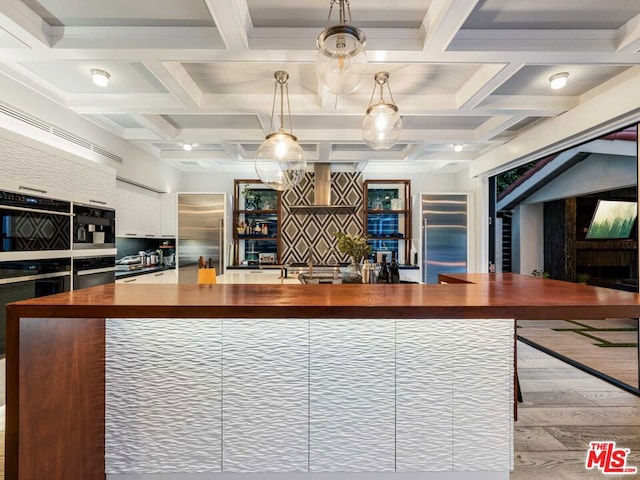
(93, 227)
(21, 280)
(30, 223)
(445, 235)
(92, 271)
(200, 233)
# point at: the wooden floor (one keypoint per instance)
(563, 410)
(609, 346)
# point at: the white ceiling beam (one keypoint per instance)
(158, 125)
(443, 21)
(142, 37)
(121, 103)
(496, 125)
(483, 83)
(558, 104)
(506, 40)
(24, 24)
(178, 81)
(297, 38)
(232, 150)
(324, 151)
(232, 20)
(196, 155)
(628, 35)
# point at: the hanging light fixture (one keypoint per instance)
(280, 162)
(341, 61)
(382, 125)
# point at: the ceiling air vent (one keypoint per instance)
(67, 136)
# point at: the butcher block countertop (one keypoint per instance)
(465, 296)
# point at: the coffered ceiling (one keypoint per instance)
(470, 72)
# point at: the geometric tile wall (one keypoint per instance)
(301, 231)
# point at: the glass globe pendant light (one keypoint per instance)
(280, 162)
(382, 124)
(341, 61)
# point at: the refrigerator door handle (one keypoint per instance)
(221, 243)
(424, 250)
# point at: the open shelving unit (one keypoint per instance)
(387, 218)
(249, 219)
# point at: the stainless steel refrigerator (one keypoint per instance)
(444, 235)
(200, 233)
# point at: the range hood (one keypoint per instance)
(322, 195)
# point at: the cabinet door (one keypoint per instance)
(352, 392)
(163, 396)
(424, 398)
(94, 186)
(483, 394)
(138, 212)
(266, 395)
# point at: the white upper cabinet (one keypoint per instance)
(137, 212)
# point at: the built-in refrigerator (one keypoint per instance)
(200, 233)
(445, 236)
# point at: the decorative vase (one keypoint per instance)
(353, 272)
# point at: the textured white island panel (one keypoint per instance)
(163, 396)
(291, 399)
(424, 395)
(352, 396)
(482, 394)
(266, 395)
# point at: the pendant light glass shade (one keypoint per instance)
(280, 162)
(382, 125)
(341, 62)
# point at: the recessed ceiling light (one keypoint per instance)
(457, 147)
(187, 146)
(100, 77)
(558, 80)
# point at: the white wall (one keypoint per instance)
(527, 243)
(138, 166)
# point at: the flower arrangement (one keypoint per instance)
(251, 197)
(355, 246)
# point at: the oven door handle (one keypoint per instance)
(80, 273)
(35, 210)
(29, 278)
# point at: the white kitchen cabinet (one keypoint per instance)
(410, 274)
(266, 395)
(352, 391)
(163, 276)
(29, 170)
(168, 215)
(137, 212)
(94, 186)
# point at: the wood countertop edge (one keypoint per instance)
(474, 296)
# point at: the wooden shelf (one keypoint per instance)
(256, 212)
(257, 237)
(376, 212)
(387, 238)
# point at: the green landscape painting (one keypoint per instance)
(612, 219)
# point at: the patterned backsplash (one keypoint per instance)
(300, 231)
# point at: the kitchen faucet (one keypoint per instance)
(310, 262)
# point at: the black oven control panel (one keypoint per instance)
(13, 199)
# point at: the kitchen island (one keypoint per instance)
(167, 382)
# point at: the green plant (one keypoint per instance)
(251, 197)
(353, 245)
(582, 278)
(540, 273)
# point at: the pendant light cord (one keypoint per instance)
(343, 18)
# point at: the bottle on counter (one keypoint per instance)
(366, 271)
(383, 276)
(394, 271)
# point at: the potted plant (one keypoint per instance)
(356, 247)
(252, 198)
(540, 273)
(582, 278)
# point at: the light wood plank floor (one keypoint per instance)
(595, 343)
(563, 410)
